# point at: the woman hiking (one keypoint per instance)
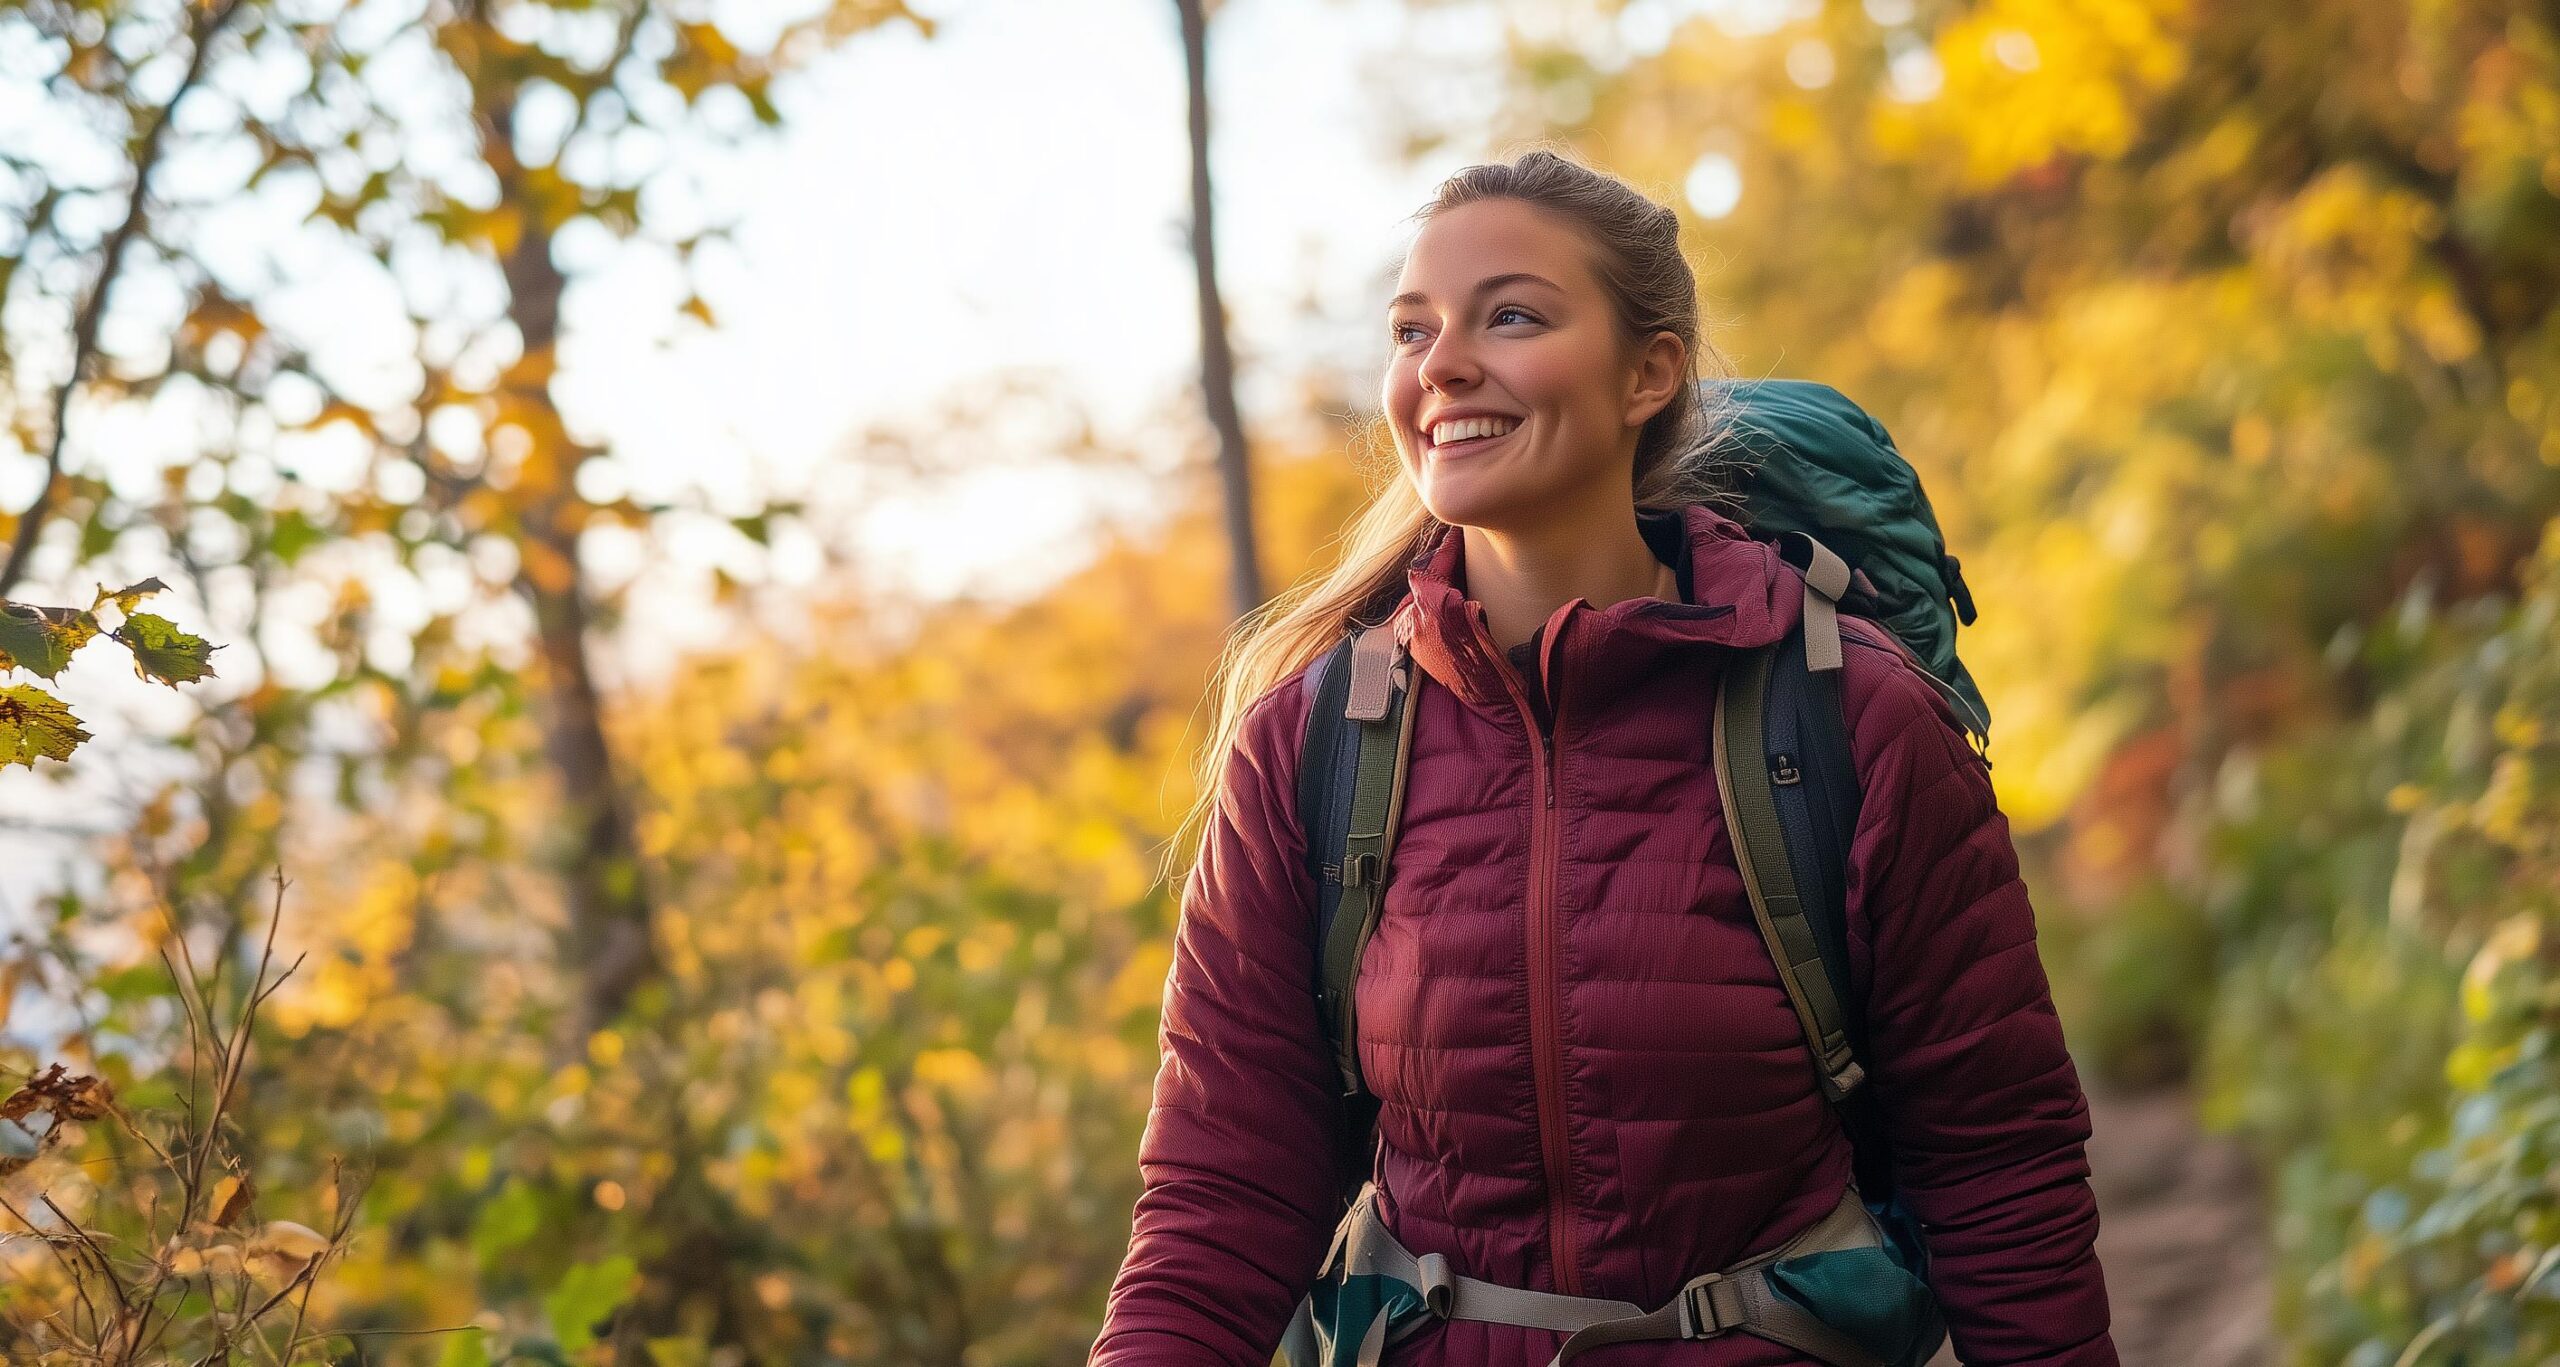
(1590, 1077)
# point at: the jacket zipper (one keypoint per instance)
(1546, 1042)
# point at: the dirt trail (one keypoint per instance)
(2181, 1230)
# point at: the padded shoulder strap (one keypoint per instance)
(1327, 756)
(1748, 775)
(1778, 720)
(1358, 743)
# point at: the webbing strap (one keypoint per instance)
(1759, 843)
(1826, 577)
(1739, 1298)
(1379, 705)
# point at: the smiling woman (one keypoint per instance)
(1558, 1093)
(1518, 399)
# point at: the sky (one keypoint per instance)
(1013, 194)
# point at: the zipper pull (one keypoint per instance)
(1549, 741)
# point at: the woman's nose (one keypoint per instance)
(1449, 364)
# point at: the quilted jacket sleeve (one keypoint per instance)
(1239, 1160)
(1984, 1108)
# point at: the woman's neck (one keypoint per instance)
(1522, 575)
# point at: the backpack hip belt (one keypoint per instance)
(1739, 1298)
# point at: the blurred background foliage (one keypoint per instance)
(800, 1007)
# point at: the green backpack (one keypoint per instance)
(1822, 467)
(1846, 510)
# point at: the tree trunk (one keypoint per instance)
(610, 941)
(1217, 362)
(610, 944)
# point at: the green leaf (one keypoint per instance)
(34, 722)
(515, 1216)
(40, 640)
(162, 652)
(586, 1297)
(124, 598)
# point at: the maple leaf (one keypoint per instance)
(161, 651)
(40, 640)
(34, 722)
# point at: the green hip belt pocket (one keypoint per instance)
(1842, 1292)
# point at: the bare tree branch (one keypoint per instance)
(84, 326)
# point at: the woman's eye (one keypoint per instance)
(1396, 332)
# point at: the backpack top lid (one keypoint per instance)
(1818, 464)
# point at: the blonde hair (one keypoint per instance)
(1636, 257)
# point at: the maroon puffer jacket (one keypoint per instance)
(1591, 1079)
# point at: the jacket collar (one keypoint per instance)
(1737, 593)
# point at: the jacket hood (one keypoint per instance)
(1737, 593)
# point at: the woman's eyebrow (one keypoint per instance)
(1489, 283)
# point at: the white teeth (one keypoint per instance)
(1444, 433)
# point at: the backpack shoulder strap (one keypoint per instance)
(1789, 790)
(1357, 746)
(1327, 760)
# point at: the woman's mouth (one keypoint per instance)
(1466, 446)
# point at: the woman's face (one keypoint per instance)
(1498, 318)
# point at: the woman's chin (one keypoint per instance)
(1464, 502)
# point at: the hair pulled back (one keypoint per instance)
(1634, 252)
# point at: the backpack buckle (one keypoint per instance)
(1709, 1306)
(1360, 869)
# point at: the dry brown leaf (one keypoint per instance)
(230, 1198)
(67, 1095)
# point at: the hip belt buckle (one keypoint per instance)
(1709, 1306)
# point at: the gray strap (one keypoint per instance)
(1738, 1298)
(1774, 1317)
(1826, 578)
(1760, 852)
(1717, 1304)
(1373, 658)
(1464, 1298)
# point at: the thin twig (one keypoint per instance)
(337, 1235)
(53, 1244)
(236, 1049)
(134, 1128)
(361, 1333)
(106, 1268)
(309, 1269)
(195, 1075)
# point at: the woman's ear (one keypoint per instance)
(1660, 369)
